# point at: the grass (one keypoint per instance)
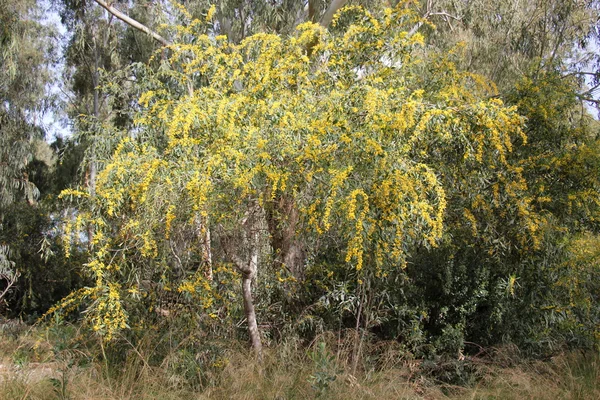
(45, 364)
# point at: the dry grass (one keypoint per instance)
(573, 376)
(33, 368)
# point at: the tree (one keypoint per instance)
(24, 58)
(360, 137)
(509, 39)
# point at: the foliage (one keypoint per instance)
(324, 374)
(576, 293)
(45, 275)
(487, 287)
(365, 135)
(507, 40)
(24, 59)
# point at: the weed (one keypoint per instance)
(323, 369)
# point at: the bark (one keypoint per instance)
(92, 167)
(331, 10)
(203, 233)
(132, 22)
(251, 314)
(282, 220)
(248, 270)
(247, 279)
(208, 253)
(313, 8)
(334, 6)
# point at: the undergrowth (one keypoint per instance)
(60, 363)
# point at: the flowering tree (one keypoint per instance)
(257, 149)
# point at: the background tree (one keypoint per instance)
(508, 40)
(24, 60)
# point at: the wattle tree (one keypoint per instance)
(249, 154)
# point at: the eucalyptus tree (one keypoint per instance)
(99, 46)
(505, 40)
(25, 54)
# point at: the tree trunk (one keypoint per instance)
(251, 314)
(203, 236)
(247, 277)
(249, 270)
(207, 252)
(282, 220)
(334, 6)
(92, 167)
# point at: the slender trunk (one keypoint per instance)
(203, 234)
(313, 10)
(249, 270)
(96, 82)
(358, 338)
(334, 6)
(208, 253)
(251, 314)
(247, 278)
(92, 167)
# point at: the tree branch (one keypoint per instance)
(239, 264)
(429, 13)
(331, 10)
(589, 99)
(10, 281)
(312, 10)
(445, 14)
(132, 22)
